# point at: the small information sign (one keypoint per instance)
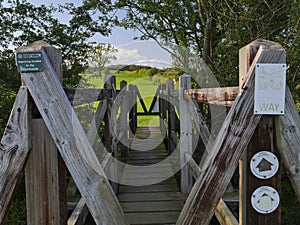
(265, 200)
(30, 62)
(264, 165)
(269, 95)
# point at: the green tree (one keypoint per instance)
(101, 55)
(216, 30)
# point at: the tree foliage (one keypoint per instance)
(100, 55)
(216, 30)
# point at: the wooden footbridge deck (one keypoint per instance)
(44, 136)
(160, 202)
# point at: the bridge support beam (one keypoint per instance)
(185, 134)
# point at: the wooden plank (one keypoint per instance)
(158, 196)
(79, 96)
(152, 218)
(148, 188)
(218, 96)
(186, 178)
(149, 175)
(144, 161)
(146, 156)
(224, 215)
(161, 206)
(14, 150)
(80, 213)
(230, 143)
(147, 181)
(73, 145)
(43, 177)
(289, 129)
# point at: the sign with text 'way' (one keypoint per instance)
(269, 95)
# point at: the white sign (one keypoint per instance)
(265, 199)
(264, 165)
(269, 94)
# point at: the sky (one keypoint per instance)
(129, 51)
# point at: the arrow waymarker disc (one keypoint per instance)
(264, 165)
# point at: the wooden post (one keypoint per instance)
(110, 142)
(185, 134)
(162, 109)
(73, 144)
(123, 119)
(109, 84)
(171, 117)
(45, 171)
(264, 139)
(133, 110)
(45, 205)
(228, 147)
(14, 150)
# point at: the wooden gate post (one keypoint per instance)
(45, 172)
(259, 191)
(133, 110)
(171, 117)
(124, 119)
(162, 109)
(110, 141)
(185, 133)
(109, 84)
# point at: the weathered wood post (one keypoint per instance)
(109, 84)
(110, 141)
(14, 150)
(232, 140)
(185, 133)
(45, 170)
(171, 117)
(162, 108)
(72, 142)
(124, 119)
(260, 176)
(133, 110)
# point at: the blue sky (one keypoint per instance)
(129, 51)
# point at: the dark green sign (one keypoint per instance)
(30, 62)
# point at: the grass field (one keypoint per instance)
(146, 87)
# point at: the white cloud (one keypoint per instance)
(154, 63)
(146, 54)
(128, 56)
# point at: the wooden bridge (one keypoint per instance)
(143, 175)
(157, 203)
